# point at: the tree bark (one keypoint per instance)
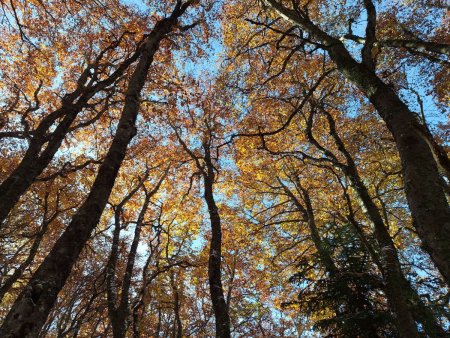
(423, 185)
(178, 325)
(207, 170)
(420, 311)
(391, 268)
(119, 314)
(388, 256)
(417, 45)
(215, 253)
(30, 311)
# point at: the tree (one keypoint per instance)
(46, 138)
(205, 160)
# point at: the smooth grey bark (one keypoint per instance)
(424, 187)
(414, 45)
(29, 313)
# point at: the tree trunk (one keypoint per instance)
(215, 254)
(420, 311)
(11, 280)
(115, 318)
(178, 325)
(120, 314)
(30, 311)
(33, 163)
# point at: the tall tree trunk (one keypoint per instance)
(391, 268)
(423, 185)
(215, 253)
(116, 314)
(158, 326)
(178, 325)
(117, 321)
(388, 255)
(220, 307)
(30, 311)
(398, 289)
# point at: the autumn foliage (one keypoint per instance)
(208, 168)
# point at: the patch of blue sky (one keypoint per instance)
(139, 5)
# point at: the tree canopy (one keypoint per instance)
(209, 168)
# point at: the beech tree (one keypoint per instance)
(205, 160)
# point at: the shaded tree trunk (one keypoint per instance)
(12, 279)
(119, 314)
(388, 255)
(178, 326)
(207, 171)
(30, 311)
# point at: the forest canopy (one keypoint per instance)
(210, 168)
